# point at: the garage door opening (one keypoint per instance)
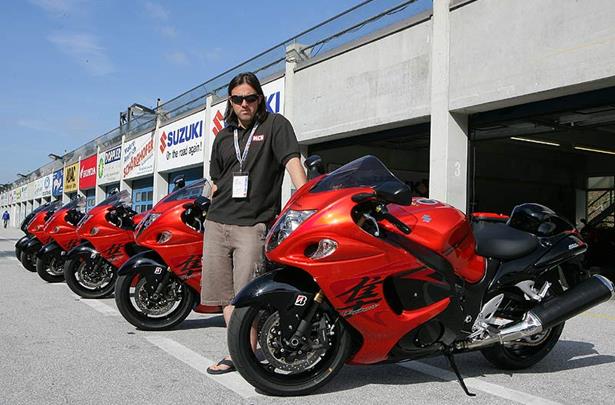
(550, 152)
(405, 151)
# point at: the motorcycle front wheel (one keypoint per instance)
(28, 260)
(277, 369)
(50, 268)
(89, 278)
(139, 304)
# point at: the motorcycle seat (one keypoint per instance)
(500, 241)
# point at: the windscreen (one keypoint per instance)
(122, 197)
(50, 206)
(367, 171)
(78, 202)
(194, 190)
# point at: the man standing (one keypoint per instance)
(248, 160)
(5, 218)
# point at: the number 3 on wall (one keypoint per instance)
(457, 166)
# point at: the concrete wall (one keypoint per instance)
(378, 85)
(508, 52)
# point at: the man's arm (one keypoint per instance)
(297, 174)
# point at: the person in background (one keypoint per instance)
(247, 165)
(5, 218)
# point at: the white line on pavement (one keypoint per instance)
(476, 383)
(100, 306)
(233, 381)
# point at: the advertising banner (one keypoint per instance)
(57, 188)
(181, 143)
(274, 100)
(71, 178)
(38, 188)
(24, 192)
(47, 181)
(87, 173)
(110, 166)
(138, 156)
(18, 194)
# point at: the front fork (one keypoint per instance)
(306, 321)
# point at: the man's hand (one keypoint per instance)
(297, 174)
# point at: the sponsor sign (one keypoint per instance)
(38, 188)
(109, 167)
(87, 173)
(24, 192)
(71, 178)
(18, 194)
(138, 156)
(57, 185)
(46, 185)
(181, 143)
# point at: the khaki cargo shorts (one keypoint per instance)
(232, 256)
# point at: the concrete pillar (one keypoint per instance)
(209, 137)
(294, 55)
(448, 155)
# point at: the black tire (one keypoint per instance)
(18, 252)
(267, 380)
(520, 357)
(128, 289)
(50, 268)
(87, 281)
(27, 260)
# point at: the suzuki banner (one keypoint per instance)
(57, 188)
(181, 143)
(138, 156)
(274, 100)
(110, 166)
(87, 173)
(71, 178)
(47, 181)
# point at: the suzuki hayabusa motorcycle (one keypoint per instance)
(106, 235)
(33, 226)
(369, 275)
(159, 287)
(61, 228)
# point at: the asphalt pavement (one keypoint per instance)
(56, 348)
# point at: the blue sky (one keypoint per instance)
(70, 66)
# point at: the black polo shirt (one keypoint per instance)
(273, 145)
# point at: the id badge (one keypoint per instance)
(240, 185)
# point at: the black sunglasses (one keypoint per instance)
(250, 98)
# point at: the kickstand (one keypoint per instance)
(451, 362)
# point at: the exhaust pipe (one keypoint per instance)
(546, 315)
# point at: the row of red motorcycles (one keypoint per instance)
(360, 272)
(150, 261)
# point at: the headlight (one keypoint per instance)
(164, 237)
(285, 225)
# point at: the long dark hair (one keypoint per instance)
(249, 78)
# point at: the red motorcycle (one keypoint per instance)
(370, 275)
(157, 288)
(106, 235)
(33, 226)
(61, 228)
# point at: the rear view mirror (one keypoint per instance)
(202, 203)
(314, 166)
(394, 192)
(179, 182)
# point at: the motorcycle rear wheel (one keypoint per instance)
(50, 268)
(531, 350)
(130, 290)
(267, 378)
(76, 279)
